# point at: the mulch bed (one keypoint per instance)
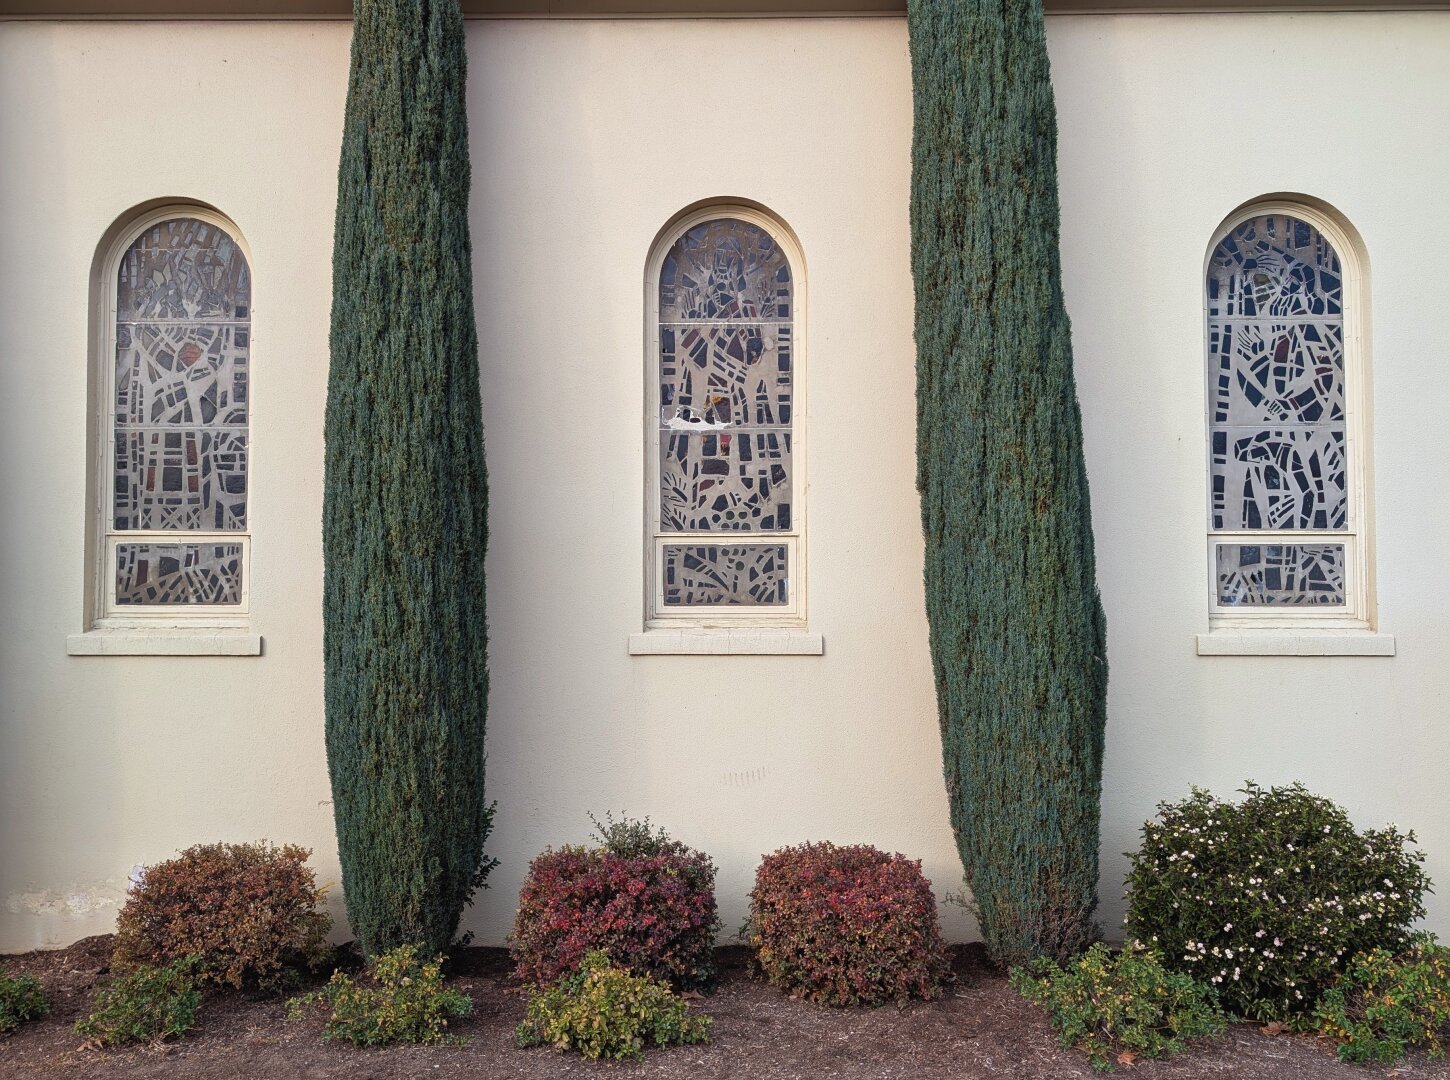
(981, 1028)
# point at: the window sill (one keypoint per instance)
(168, 642)
(727, 641)
(1288, 642)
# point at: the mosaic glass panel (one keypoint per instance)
(725, 269)
(1277, 379)
(725, 374)
(204, 573)
(1279, 479)
(726, 481)
(720, 574)
(1283, 575)
(181, 374)
(183, 269)
(186, 479)
(726, 404)
(1274, 266)
(183, 338)
(1277, 373)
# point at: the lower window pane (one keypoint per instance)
(733, 574)
(1280, 574)
(206, 573)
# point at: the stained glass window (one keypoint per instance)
(724, 452)
(1279, 435)
(179, 391)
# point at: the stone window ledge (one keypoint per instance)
(167, 642)
(727, 641)
(1289, 642)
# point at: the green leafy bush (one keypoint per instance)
(631, 838)
(1107, 1003)
(846, 925)
(646, 900)
(1268, 898)
(248, 913)
(145, 1004)
(20, 1000)
(603, 1011)
(407, 1002)
(1385, 1004)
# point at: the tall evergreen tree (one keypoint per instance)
(405, 504)
(1017, 630)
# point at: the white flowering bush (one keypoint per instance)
(1266, 900)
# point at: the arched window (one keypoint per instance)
(1286, 442)
(174, 396)
(724, 454)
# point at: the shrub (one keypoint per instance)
(146, 1004)
(407, 1004)
(846, 925)
(246, 912)
(1107, 1003)
(1384, 1004)
(649, 904)
(605, 1012)
(1266, 899)
(20, 1000)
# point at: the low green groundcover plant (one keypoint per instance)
(603, 1011)
(1267, 899)
(406, 1003)
(145, 1005)
(846, 926)
(20, 1000)
(1124, 1003)
(1385, 1004)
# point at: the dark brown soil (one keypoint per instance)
(979, 1029)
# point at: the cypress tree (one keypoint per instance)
(405, 502)
(1017, 631)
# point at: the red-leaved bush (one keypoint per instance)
(652, 913)
(846, 925)
(248, 913)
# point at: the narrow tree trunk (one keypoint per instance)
(405, 503)
(1017, 630)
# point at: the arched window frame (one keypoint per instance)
(1358, 612)
(791, 615)
(105, 613)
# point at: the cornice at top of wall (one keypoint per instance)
(485, 9)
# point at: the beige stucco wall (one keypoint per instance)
(588, 136)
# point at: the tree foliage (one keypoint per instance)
(405, 503)
(1017, 629)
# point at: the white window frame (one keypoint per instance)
(107, 614)
(789, 616)
(1357, 613)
